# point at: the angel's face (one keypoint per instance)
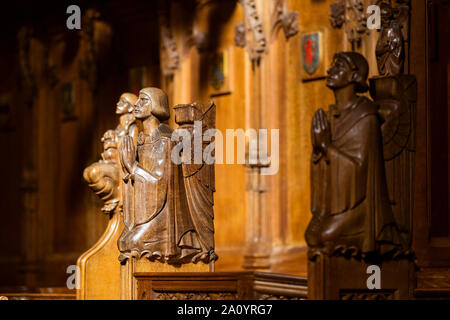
(122, 106)
(339, 74)
(143, 106)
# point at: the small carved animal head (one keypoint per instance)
(347, 68)
(152, 101)
(126, 103)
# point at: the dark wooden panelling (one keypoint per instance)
(219, 286)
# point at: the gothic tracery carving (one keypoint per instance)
(256, 44)
(288, 21)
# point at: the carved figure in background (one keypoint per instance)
(159, 226)
(349, 196)
(127, 122)
(127, 127)
(389, 49)
(103, 176)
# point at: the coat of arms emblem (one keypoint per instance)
(311, 52)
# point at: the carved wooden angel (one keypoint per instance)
(199, 175)
(349, 196)
(396, 98)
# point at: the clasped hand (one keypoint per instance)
(320, 132)
(127, 153)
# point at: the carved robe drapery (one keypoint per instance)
(129, 128)
(159, 226)
(359, 211)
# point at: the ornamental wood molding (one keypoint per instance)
(351, 14)
(255, 39)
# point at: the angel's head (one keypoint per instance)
(348, 68)
(152, 102)
(126, 103)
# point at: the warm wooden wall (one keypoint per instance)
(50, 216)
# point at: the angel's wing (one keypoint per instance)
(396, 128)
(199, 177)
(396, 97)
(396, 100)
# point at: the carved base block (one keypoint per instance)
(129, 283)
(237, 285)
(340, 278)
(99, 266)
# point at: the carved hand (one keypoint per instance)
(314, 130)
(321, 131)
(127, 153)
